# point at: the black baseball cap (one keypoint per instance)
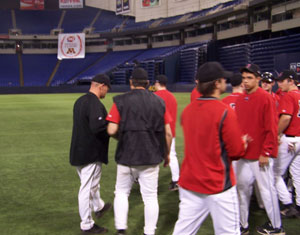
(162, 79)
(287, 74)
(236, 79)
(139, 74)
(251, 68)
(211, 71)
(267, 77)
(103, 79)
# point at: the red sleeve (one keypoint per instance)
(114, 115)
(167, 117)
(232, 136)
(271, 129)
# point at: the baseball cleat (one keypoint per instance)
(106, 207)
(95, 230)
(173, 186)
(267, 228)
(244, 231)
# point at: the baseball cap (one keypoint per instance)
(139, 74)
(236, 79)
(251, 68)
(211, 71)
(161, 79)
(103, 79)
(267, 77)
(287, 74)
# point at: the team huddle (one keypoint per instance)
(249, 140)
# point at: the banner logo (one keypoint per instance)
(71, 46)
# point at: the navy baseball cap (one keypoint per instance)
(251, 68)
(287, 74)
(139, 74)
(236, 79)
(103, 79)
(162, 79)
(211, 71)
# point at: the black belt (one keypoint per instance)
(291, 136)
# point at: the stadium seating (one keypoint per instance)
(37, 22)
(234, 57)
(70, 68)
(78, 19)
(107, 21)
(37, 68)
(6, 23)
(9, 70)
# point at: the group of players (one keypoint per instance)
(230, 146)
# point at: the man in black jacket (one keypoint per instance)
(89, 149)
(138, 119)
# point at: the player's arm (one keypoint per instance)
(283, 123)
(168, 136)
(112, 129)
(114, 119)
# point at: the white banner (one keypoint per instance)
(71, 46)
(70, 4)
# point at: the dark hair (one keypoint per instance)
(140, 83)
(207, 88)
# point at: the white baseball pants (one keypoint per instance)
(174, 166)
(89, 193)
(194, 208)
(148, 180)
(287, 159)
(247, 172)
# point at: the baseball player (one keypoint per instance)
(195, 92)
(171, 106)
(140, 122)
(289, 149)
(89, 149)
(237, 90)
(255, 110)
(212, 140)
(267, 83)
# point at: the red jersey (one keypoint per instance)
(171, 106)
(280, 93)
(231, 99)
(276, 99)
(212, 139)
(114, 115)
(290, 105)
(257, 117)
(195, 94)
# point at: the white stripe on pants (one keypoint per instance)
(194, 208)
(89, 193)
(174, 166)
(247, 172)
(148, 180)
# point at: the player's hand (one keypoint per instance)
(263, 161)
(246, 138)
(167, 160)
(292, 148)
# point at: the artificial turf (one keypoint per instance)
(38, 187)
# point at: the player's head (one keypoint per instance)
(267, 81)
(160, 82)
(100, 85)
(251, 77)
(236, 79)
(287, 80)
(139, 78)
(211, 76)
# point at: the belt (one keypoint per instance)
(292, 136)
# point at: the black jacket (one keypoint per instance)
(141, 128)
(89, 138)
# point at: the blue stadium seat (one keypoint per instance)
(6, 23)
(37, 22)
(9, 68)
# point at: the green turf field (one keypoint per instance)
(38, 187)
